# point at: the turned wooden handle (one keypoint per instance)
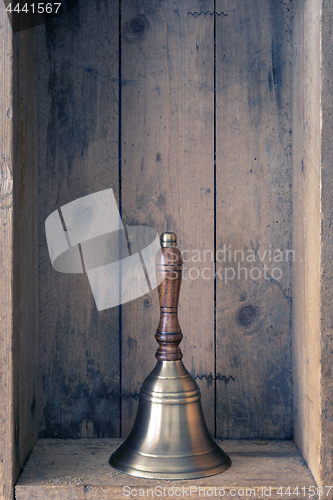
(169, 273)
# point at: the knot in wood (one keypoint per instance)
(138, 25)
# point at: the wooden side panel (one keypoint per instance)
(78, 156)
(25, 242)
(306, 232)
(167, 69)
(8, 467)
(253, 219)
(19, 275)
(326, 341)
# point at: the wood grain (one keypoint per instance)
(167, 65)
(253, 218)
(19, 348)
(79, 469)
(306, 234)
(78, 155)
(326, 293)
(25, 250)
(8, 460)
(170, 131)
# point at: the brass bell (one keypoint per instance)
(169, 439)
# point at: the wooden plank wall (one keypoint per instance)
(78, 123)
(213, 166)
(253, 216)
(168, 174)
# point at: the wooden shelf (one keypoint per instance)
(79, 469)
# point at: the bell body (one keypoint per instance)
(169, 439)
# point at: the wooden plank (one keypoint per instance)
(326, 298)
(79, 469)
(78, 137)
(25, 271)
(167, 65)
(253, 218)
(306, 234)
(19, 335)
(8, 460)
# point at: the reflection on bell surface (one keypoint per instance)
(169, 439)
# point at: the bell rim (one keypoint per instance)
(194, 474)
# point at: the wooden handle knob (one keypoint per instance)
(169, 274)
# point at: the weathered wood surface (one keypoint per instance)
(326, 295)
(253, 218)
(78, 124)
(168, 139)
(306, 236)
(8, 464)
(18, 254)
(167, 181)
(167, 116)
(25, 255)
(79, 469)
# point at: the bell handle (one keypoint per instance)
(169, 275)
